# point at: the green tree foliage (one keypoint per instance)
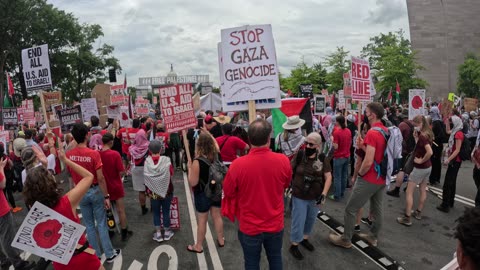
(338, 63)
(391, 59)
(469, 76)
(303, 74)
(76, 65)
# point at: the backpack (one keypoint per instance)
(465, 150)
(392, 156)
(217, 172)
(17, 175)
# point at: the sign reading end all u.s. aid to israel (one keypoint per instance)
(36, 68)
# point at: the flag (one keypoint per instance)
(130, 107)
(125, 85)
(397, 93)
(278, 119)
(11, 90)
(389, 98)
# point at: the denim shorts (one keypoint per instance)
(203, 204)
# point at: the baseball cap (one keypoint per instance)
(18, 145)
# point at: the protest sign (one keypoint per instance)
(319, 104)
(36, 68)
(446, 108)
(347, 85)
(113, 111)
(141, 106)
(341, 100)
(89, 108)
(48, 99)
(69, 117)
(470, 104)
(306, 90)
(48, 234)
(360, 79)
(39, 117)
(10, 118)
(177, 107)
(29, 112)
(4, 138)
(20, 111)
(416, 103)
(174, 214)
(249, 64)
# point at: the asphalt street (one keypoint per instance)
(427, 244)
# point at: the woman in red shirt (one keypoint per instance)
(342, 140)
(41, 186)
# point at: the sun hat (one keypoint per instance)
(293, 122)
(222, 119)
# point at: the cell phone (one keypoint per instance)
(200, 122)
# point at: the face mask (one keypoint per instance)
(417, 129)
(310, 151)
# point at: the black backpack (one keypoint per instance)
(465, 150)
(217, 172)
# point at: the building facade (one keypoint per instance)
(443, 32)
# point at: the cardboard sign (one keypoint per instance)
(249, 64)
(48, 99)
(69, 117)
(361, 82)
(177, 107)
(319, 105)
(89, 108)
(48, 234)
(174, 215)
(446, 108)
(141, 106)
(36, 68)
(347, 85)
(10, 118)
(416, 103)
(470, 104)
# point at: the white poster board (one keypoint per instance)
(416, 102)
(249, 61)
(360, 78)
(36, 68)
(4, 136)
(48, 234)
(89, 108)
(341, 100)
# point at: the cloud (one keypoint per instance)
(148, 35)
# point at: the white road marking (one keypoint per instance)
(171, 253)
(439, 195)
(135, 265)
(117, 263)
(456, 196)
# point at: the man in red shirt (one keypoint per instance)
(370, 185)
(97, 198)
(9, 255)
(230, 145)
(258, 186)
(342, 140)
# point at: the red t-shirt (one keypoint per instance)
(420, 152)
(259, 190)
(342, 137)
(229, 147)
(375, 139)
(4, 207)
(88, 159)
(122, 134)
(458, 136)
(112, 167)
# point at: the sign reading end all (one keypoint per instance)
(36, 68)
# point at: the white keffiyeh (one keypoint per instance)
(157, 176)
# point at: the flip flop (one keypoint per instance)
(190, 249)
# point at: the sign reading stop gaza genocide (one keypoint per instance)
(36, 68)
(249, 64)
(177, 107)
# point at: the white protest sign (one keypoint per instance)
(361, 81)
(114, 112)
(416, 102)
(48, 234)
(4, 136)
(36, 68)
(89, 108)
(250, 70)
(341, 99)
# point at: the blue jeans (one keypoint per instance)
(340, 173)
(304, 214)
(252, 249)
(93, 210)
(164, 205)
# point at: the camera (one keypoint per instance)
(307, 182)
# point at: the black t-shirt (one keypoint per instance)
(202, 177)
(216, 131)
(305, 168)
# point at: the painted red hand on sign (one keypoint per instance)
(47, 233)
(417, 102)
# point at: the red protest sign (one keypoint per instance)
(177, 107)
(360, 76)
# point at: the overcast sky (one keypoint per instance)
(148, 35)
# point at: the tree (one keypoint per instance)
(392, 59)
(338, 64)
(303, 74)
(469, 76)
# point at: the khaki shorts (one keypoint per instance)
(419, 176)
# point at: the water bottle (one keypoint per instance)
(110, 219)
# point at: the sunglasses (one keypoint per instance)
(309, 144)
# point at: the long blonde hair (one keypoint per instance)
(426, 130)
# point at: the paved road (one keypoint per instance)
(428, 244)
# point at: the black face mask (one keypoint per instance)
(451, 125)
(365, 119)
(310, 151)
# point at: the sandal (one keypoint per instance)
(417, 214)
(218, 242)
(191, 249)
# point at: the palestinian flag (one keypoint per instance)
(397, 93)
(278, 118)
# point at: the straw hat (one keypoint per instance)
(222, 119)
(293, 122)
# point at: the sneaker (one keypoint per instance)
(115, 255)
(357, 228)
(370, 239)
(333, 198)
(126, 234)
(443, 208)
(417, 214)
(366, 221)
(394, 193)
(158, 237)
(16, 209)
(168, 234)
(404, 221)
(337, 240)
(306, 244)
(296, 252)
